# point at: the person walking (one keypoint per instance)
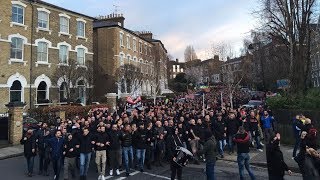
(267, 122)
(127, 150)
(29, 149)
(102, 142)
(41, 135)
(174, 142)
(140, 140)
(210, 152)
(297, 127)
(56, 145)
(86, 142)
(254, 130)
(275, 161)
(232, 125)
(114, 150)
(242, 139)
(70, 154)
(220, 128)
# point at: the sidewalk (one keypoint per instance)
(12, 151)
(259, 158)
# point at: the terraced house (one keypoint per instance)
(36, 39)
(126, 61)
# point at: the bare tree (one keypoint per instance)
(189, 54)
(193, 74)
(222, 49)
(69, 74)
(129, 77)
(288, 22)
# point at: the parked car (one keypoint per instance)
(253, 104)
(29, 122)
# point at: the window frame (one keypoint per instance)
(121, 39)
(21, 91)
(83, 58)
(23, 13)
(47, 20)
(67, 54)
(134, 44)
(62, 17)
(46, 53)
(84, 28)
(22, 49)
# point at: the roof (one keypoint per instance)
(159, 41)
(234, 60)
(60, 8)
(107, 24)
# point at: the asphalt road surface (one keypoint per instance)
(15, 168)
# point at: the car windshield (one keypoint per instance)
(255, 103)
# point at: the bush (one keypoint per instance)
(310, 100)
(49, 113)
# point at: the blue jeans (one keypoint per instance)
(243, 162)
(30, 162)
(127, 156)
(140, 157)
(221, 145)
(56, 163)
(256, 139)
(231, 143)
(210, 170)
(84, 163)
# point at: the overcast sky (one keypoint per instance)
(178, 23)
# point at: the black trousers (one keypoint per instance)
(175, 170)
(56, 167)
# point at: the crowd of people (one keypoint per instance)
(146, 138)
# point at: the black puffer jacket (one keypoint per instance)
(126, 139)
(28, 144)
(114, 140)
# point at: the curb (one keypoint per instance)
(11, 156)
(264, 165)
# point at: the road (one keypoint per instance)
(15, 168)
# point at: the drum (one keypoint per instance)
(182, 156)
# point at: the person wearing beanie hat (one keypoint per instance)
(210, 152)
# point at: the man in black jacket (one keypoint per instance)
(255, 134)
(127, 151)
(114, 149)
(232, 125)
(219, 129)
(29, 145)
(140, 141)
(275, 161)
(172, 144)
(102, 141)
(41, 135)
(86, 142)
(70, 153)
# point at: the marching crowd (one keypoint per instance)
(145, 138)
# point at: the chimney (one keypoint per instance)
(216, 57)
(177, 60)
(113, 18)
(146, 35)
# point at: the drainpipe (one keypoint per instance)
(31, 53)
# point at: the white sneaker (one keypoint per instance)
(261, 143)
(99, 178)
(118, 172)
(260, 150)
(102, 177)
(111, 172)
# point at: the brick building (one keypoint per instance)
(36, 39)
(174, 68)
(119, 50)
